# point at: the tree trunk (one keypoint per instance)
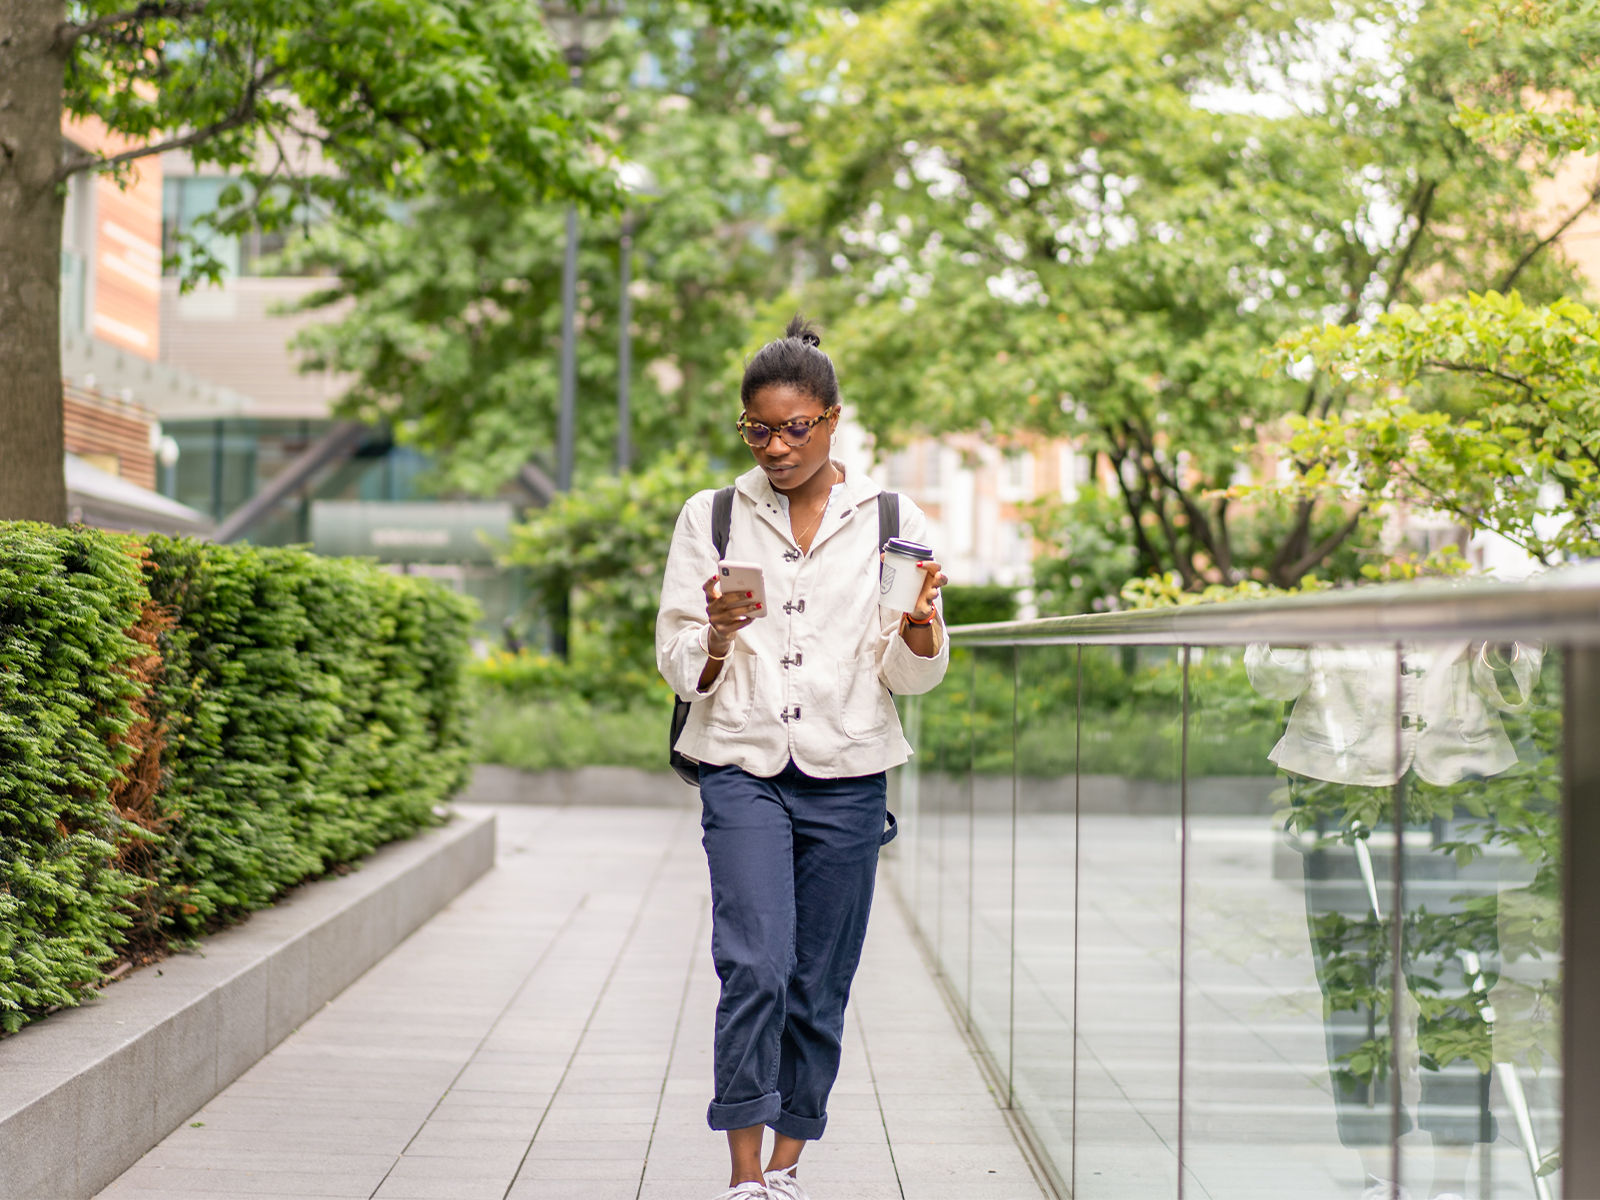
(32, 480)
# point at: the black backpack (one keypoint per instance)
(721, 521)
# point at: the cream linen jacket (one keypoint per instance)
(811, 681)
(1349, 705)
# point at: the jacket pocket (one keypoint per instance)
(730, 705)
(864, 705)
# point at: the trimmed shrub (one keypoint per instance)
(978, 603)
(316, 709)
(68, 684)
(187, 730)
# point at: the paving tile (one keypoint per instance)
(440, 1189)
(530, 1037)
(142, 1181)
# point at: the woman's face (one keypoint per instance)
(788, 466)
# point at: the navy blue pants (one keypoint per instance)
(792, 865)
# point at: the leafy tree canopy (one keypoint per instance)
(1076, 220)
(452, 324)
(1484, 406)
(344, 106)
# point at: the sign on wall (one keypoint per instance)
(452, 531)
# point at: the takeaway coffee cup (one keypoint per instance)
(899, 581)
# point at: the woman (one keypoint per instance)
(793, 728)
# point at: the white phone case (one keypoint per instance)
(736, 577)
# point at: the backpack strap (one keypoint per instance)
(888, 516)
(721, 520)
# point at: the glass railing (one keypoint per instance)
(1266, 900)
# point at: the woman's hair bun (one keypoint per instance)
(804, 330)
(788, 361)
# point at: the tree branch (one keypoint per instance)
(1391, 286)
(243, 114)
(1135, 505)
(1533, 251)
(1326, 546)
(1292, 541)
(1199, 523)
(1310, 401)
(1224, 548)
(1157, 504)
(69, 34)
(1468, 369)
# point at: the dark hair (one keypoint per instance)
(795, 359)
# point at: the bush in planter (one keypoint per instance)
(68, 684)
(188, 729)
(315, 708)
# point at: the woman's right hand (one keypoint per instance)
(728, 615)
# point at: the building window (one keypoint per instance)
(77, 242)
(1016, 476)
(184, 200)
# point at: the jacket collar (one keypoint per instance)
(858, 489)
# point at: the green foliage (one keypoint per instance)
(342, 108)
(1526, 465)
(67, 598)
(978, 603)
(1112, 711)
(1050, 217)
(452, 324)
(606, 545)
(1092, 553)
(1568, 131)
(316, 711)
(298, 712)
(472, 88)
(1525, 461)
(555, 733)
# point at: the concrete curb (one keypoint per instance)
(84, 1094)
(614, 786)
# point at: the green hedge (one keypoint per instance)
(187, 730)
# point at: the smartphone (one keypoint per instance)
(739, 577)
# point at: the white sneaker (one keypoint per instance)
(1383, 1189)
(746, 1191)
(782, 1185)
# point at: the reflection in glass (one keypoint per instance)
(1405, 928)
(1046, 857)
(993, 825)
(1259, 1117)
(1125, 1128)
(1272, 921)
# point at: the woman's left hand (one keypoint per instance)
(931, 583)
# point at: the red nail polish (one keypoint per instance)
(748, 595)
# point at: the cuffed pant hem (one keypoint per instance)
(806, 1129)
(763, 1110)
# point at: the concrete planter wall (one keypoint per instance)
(86, 1092)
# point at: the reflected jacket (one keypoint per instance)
(812, 680)
(1364, 715)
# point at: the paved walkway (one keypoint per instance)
(549, 1035)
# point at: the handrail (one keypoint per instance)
(1562, 605)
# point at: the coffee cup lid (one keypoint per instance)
(911, 549)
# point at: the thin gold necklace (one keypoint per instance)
(817, 520)
(800, 537)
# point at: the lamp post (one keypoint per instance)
(578, 31)
(637, 180)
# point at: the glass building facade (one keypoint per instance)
(224, 463)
